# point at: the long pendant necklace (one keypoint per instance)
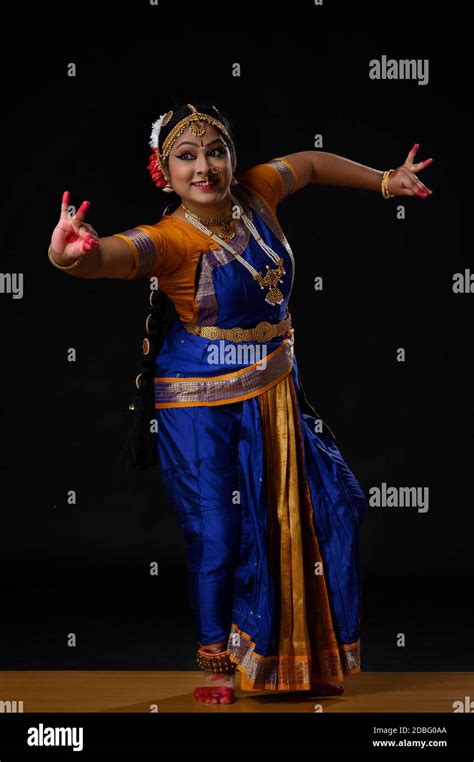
(271, 277)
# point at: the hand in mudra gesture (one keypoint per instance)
(403, 180)
(72, 237)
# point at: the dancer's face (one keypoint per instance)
(193, 159)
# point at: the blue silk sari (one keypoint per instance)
(269, 508)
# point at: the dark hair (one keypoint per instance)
(142, 443)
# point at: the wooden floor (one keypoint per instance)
(81, 691)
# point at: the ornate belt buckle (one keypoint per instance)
(264, 331)
(211, 332)
(237, 333)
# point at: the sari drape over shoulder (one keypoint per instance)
(269, 508)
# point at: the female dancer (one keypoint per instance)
(269, 508)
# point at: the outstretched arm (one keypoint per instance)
(325, 168)
(77, 249)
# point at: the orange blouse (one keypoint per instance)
(170, 249)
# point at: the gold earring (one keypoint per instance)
(167, 189)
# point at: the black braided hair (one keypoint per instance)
(142, 443)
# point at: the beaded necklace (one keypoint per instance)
(271, 277)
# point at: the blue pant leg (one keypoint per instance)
(198, 452)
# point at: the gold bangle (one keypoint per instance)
(60, 267)
(384, 184)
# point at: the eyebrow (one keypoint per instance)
(187, 142)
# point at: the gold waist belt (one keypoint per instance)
(263, 331)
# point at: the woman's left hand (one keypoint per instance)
(403, 180)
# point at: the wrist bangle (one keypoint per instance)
(60, 267)
(384, 184)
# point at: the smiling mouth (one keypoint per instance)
(206, 183)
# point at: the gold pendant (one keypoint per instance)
(274, 296)
(227, 234)
(271, 278)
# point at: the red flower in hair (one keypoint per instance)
(155, 171)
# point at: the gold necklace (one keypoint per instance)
(227, 233)
(271, 277)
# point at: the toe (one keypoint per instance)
(227, 695)
(219, 694)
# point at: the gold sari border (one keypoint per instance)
(229, 387)
(286, 672)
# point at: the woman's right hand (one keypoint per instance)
(72, 237)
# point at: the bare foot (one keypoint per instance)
(216, 688)
(327, 689)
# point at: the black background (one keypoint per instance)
(84, 568)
